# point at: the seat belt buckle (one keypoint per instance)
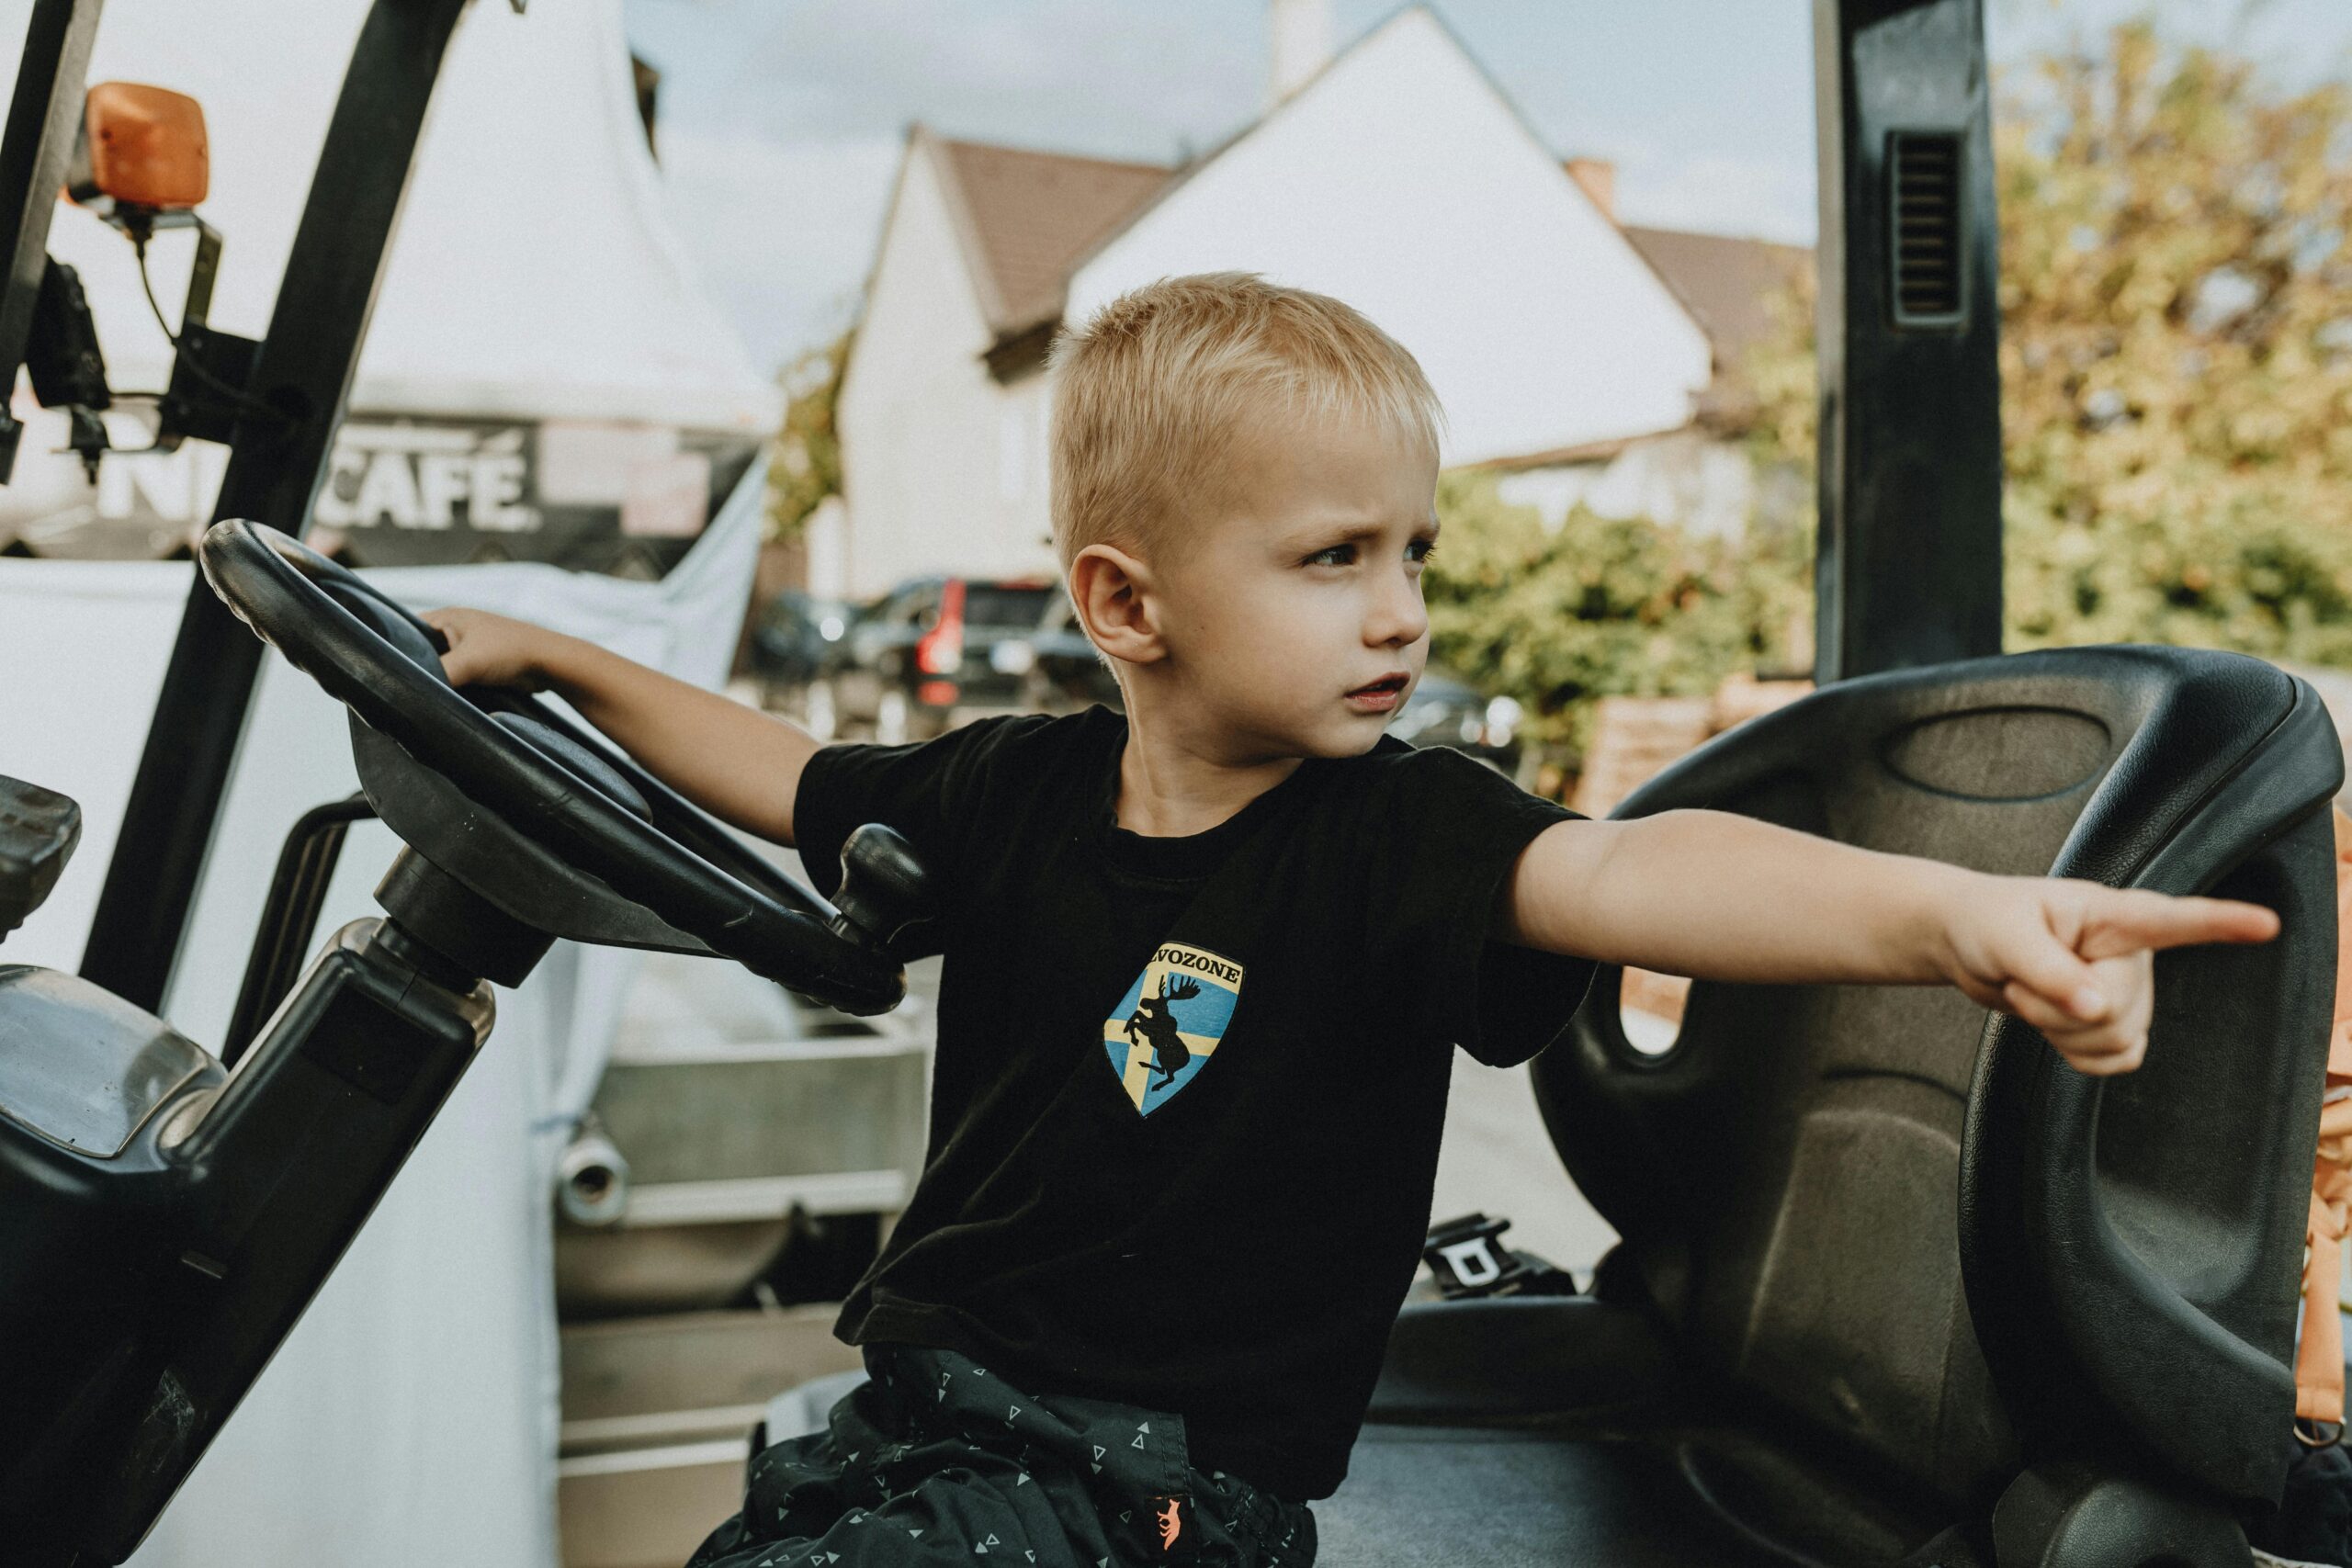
(1467, 1258)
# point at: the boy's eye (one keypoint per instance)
(1417, 552)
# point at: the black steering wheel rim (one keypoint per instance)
(681, 864)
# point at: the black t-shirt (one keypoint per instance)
(1188, 1092)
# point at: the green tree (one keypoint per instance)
(806, 465)
(2176, 353)
(2176, 303)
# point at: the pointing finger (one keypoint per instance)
(2129, 920)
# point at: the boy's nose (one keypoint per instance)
(1398, 619)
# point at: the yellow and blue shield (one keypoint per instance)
(1168, 1025)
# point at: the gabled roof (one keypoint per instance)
(1727, 283)
(1028, 220)
(1025, 218)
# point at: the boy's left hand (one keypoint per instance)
(2075, 959)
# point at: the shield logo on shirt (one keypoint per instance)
(1168, 1025)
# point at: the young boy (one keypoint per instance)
(1206, 964)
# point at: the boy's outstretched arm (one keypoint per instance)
(740, 765)
(1720, 897)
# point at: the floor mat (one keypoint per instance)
(1423, 1497)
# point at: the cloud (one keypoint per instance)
(1121, 80)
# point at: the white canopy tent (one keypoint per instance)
(534, 277)
(411, 1418)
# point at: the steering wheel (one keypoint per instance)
(384, 663)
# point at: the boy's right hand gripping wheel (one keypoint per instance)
(652, 868)
(884, 887)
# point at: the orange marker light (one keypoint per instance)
(144, 146)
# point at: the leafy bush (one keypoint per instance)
(1601, 607)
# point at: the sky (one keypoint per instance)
(781, 121)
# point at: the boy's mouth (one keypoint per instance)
(1376, 697)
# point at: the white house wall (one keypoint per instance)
(945, 468)
(1703, 485)
(1402, 183)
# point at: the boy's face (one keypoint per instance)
(1292, 613)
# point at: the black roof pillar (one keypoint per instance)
(303, 372)
(1910, 565)
(44, 116)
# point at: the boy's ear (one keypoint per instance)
(1113, 593)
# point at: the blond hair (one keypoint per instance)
(1149, 392)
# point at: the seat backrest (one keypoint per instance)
(1788, 1177)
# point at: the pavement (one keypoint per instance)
(1498, 1159)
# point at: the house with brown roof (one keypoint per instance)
(1696, 476)
(1397, 176)
(942, 408)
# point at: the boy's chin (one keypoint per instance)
(1296, 734)
(1351, 735)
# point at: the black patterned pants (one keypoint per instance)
(935, 1460)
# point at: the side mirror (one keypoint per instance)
(142, 152)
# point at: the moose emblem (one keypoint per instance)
(1169, 1023)
(1153, 1023)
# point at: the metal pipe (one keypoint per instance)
(282, 939)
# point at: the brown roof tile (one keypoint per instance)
(1029, 216)
(1726, 284)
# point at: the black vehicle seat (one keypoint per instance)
(1798, 1180)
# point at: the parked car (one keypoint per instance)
(1066, 675)
(790, 640)
(1446, 711)
(929, 655)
